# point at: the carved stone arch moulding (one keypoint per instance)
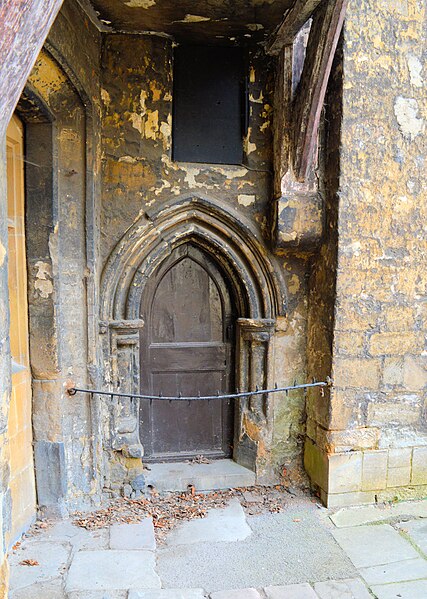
(260, 294)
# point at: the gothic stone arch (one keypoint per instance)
(260, 295)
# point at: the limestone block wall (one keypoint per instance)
(368, 439)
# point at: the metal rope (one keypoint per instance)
(276, 389)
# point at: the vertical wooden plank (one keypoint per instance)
(324, 35)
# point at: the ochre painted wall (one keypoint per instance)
(19, 422)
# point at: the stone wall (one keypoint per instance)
(60, 109)
(140, 179)
(369, 441)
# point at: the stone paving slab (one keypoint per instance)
(112, 570)
(219, 474)
(49, 590)
(359, 515)
(52, 559)
(65, 531)
(410, 569)
(342, 589)
(291, 591)
(417, 530)
(415, 589)
(133, 536)
(236, 594)
(221, 525)
(98, 595)
(168, 594)
(374, 545)
(283, 550)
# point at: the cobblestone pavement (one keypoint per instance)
(303, 552)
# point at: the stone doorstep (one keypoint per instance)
(217, 475)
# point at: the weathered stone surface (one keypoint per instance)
(347, 372)
(339, 500)
(168, 594)
(374, 475)
(64, 531)
(48, 590)
(374, 545)
(345, 472)
(342, 589)
(138, 483)
(133, 536)
(50, 556)
(416, 589)
(419, 466)
(391, 343)
(417, 531)
(219, 474)
(410, 569)
(375, 252)
(50, 472)
(291, 591)
(299, 221)
(398, 477)
(380, 414)
(97, 595)
(355, 516)
(236, 594)
(399, 457)
(220, 525)
(112, 570)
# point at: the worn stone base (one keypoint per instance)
(363, 477)
(178, 476)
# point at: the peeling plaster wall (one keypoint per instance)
(376, 421)
(139, 175)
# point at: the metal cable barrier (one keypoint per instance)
(180, 397)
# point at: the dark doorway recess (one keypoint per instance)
(209, 104)
(187, 346)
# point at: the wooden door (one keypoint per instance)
(187, 347)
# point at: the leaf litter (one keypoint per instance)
(169, 509)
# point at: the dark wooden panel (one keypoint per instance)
(207, 105)
(186, 348)
(187, 357)
(172, 321)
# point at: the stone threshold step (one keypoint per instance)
(217, 475)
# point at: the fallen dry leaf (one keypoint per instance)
(168, 510)
(29, 562)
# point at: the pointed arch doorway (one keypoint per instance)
(187, 346)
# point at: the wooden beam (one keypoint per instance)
(282, 118)
(325, 31)
(291, 24)
(24, 25)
